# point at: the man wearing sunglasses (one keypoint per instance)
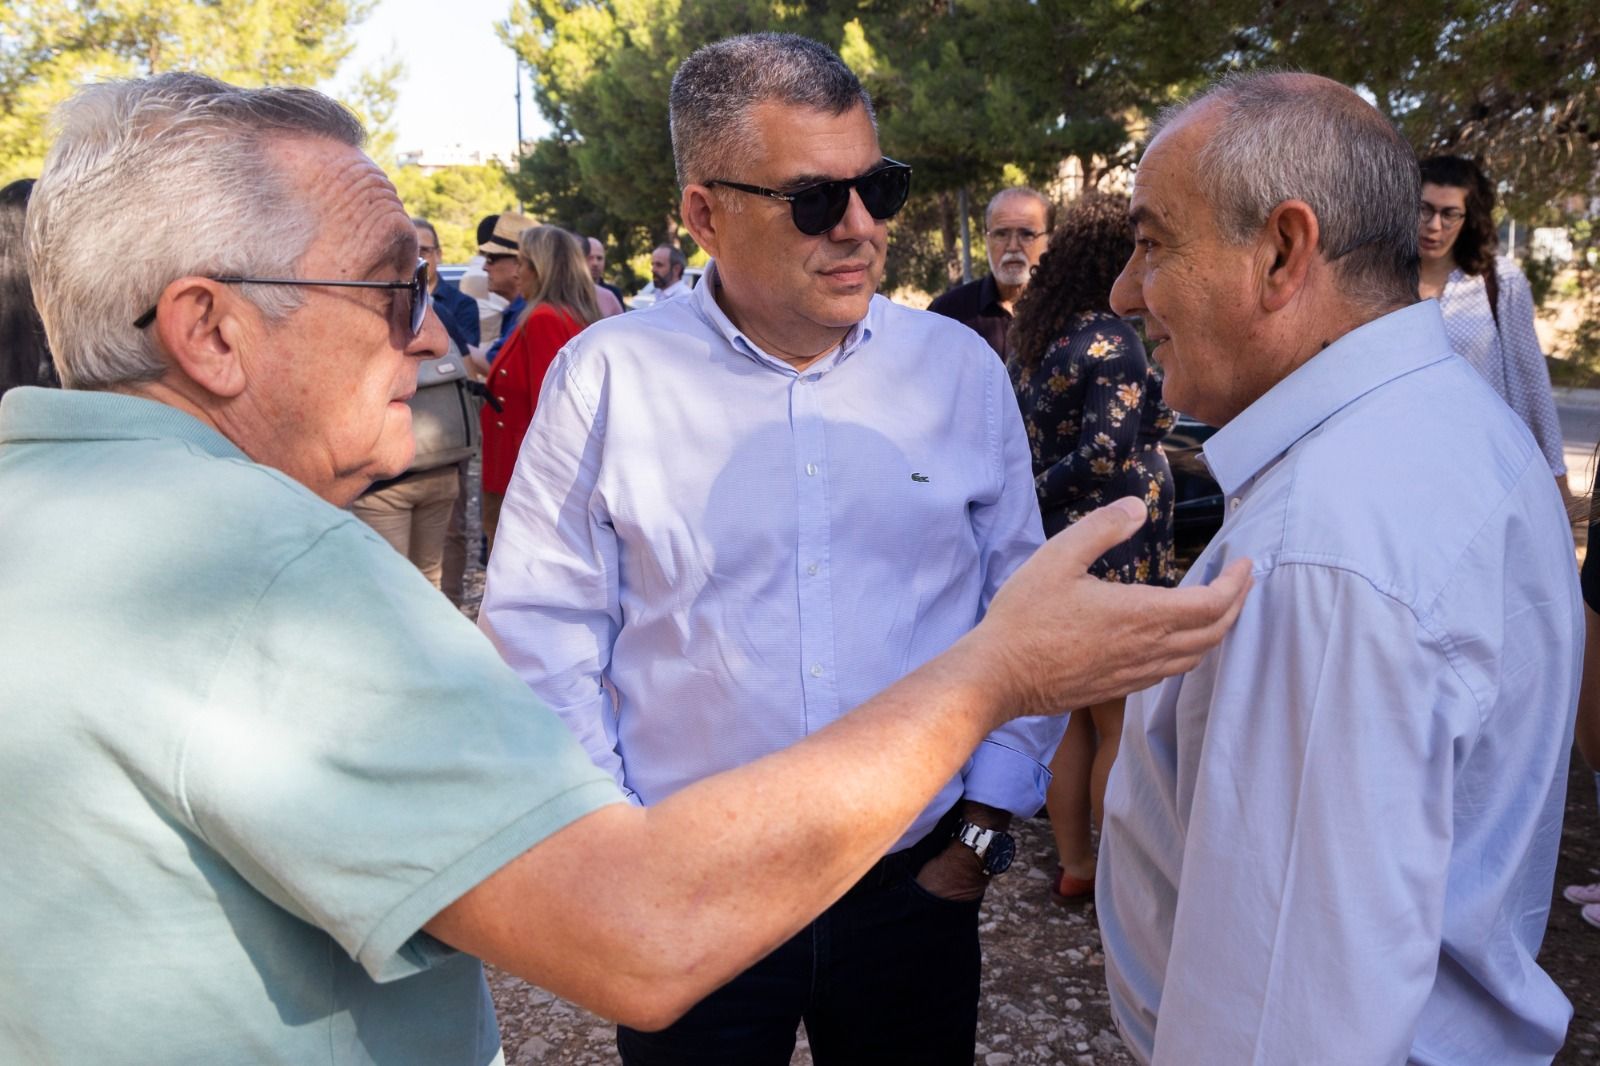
(265, 791)
(738, 515)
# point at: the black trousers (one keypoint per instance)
(889, 974)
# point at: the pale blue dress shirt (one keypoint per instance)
(704, 556)
(1333, 841)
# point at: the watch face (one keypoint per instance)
(1002, 849)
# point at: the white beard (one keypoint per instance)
(1013, 271)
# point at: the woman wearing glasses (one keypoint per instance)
(1091, 404)
(1487, 306)
(560, 303)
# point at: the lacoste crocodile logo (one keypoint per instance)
(920, 477)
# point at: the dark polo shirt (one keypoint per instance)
(976, 305)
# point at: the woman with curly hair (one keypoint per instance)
(1091, 403)
(561, 302)
(1487, 306)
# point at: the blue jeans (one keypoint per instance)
(887, 975)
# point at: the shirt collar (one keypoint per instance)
(1364, 359)
(989, 297)
(33, 414)
(705, 304)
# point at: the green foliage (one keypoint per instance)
(373, 99)
(1541, 274)
(50, 47)
(549, 181)
(965, 89)
(454, 199)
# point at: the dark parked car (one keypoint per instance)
(1197, 514)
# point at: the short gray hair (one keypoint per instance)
(1020, 192)
(1282, 137)
(716, 88)
(149, 180)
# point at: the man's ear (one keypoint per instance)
(201, 325)
(1289, 251)
(701, 213)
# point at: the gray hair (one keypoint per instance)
(151, 180)
(717, 87)
(1285, 136)
(1021, 192)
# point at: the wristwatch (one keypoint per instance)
(995, 847)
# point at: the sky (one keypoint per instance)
(460, 81)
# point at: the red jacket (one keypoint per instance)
(515, 379)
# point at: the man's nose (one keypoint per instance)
(431, 340)
(1127, 296)
(857, 222)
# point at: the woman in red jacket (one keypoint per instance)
(561, 302)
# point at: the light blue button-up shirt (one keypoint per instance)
(705, 556)
(1333, 841)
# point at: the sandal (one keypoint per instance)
(1065, 890)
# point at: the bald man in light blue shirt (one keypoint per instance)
(1333, 841)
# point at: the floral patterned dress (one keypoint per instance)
(1095, 420)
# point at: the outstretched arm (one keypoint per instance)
(639, 913)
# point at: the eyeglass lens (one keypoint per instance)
(819, 208)
(1021, 236)
(1448, 215)
(421, 298)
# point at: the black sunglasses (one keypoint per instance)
(818, 208)
(421, 298)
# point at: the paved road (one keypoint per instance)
(1579, 411)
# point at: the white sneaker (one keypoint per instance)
(1591, 914)
(1583, 895)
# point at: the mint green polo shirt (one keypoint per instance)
(246, 752)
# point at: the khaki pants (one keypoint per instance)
(455, 539)
(412, 515)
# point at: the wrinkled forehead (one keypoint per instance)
(1017, 209)
(1166, 194)
(362, 227)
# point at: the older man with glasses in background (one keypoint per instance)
(1016, 229)
(737, 516)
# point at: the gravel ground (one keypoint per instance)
(1044, 991)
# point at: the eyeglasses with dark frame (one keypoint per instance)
(1449, 216)
(817, 208)
(1003, 237)
(421, 298)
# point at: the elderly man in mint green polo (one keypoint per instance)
(265, 793)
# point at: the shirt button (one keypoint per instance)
(812, 569)
(499, 425)
(811, 470)
(1233, 504)
(816, 669)
(502, 373)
